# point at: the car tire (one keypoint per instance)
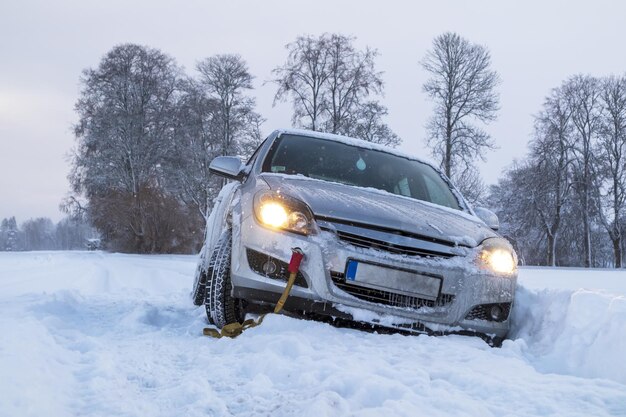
(221, 307)
(199, 285)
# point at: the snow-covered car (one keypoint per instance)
(387, 240)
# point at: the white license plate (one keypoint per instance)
(394, 280)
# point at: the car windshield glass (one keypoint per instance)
(348, 164)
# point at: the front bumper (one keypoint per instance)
(463, 287)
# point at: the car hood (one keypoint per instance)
(368, 206)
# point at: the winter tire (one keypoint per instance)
(199, 286)
(221, 307)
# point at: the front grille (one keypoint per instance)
(482, 312)
(387, 297)
(367, 242)
(257, 259)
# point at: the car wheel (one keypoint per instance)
(496, 341)
(221, 307)
(199, 286)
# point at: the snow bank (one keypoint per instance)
(606, 280)
(580, 332)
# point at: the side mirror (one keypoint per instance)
(227, 166)
(488, 217)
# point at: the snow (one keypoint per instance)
(382, 193)
(573, 321)
(215, 221)
(352, 142)
(610, 280)
(90, 333)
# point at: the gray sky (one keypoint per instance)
(45, 45)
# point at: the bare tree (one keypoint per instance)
(215, 117)
(583, 96)
(9, 239)
(471, 185)
(38, 234)
(612, 161)
(200, 138)
(303, 78)
(566, 200)
(543, 232)
(513, 200)
(253, 136)
(332, 86)
(125, 109)
(367, 124)
(551, 152)
(71, 234)
(146, 136)
(226, 78)
(352, 78)
(462, 86)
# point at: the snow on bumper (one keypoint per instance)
(464, 286)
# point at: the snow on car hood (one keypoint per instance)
(379, 208)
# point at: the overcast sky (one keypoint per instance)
(45, 45)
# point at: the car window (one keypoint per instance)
(352, 165)
(403, 188)
(256, 153)
(435, 192)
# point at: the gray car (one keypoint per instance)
(387, 240)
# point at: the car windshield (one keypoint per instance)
(348, 164)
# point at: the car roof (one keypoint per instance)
(351, 141)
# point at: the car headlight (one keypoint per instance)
(497, 255)
(278, 211)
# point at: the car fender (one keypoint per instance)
(218, 220)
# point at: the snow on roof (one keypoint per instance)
(353, 142)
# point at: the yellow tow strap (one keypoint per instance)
(233, 330)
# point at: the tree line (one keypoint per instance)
(147, 132)
(43, 234)
(564, 203)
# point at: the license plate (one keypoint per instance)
(399, 281)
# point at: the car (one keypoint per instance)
(93, 244)
(387, 240)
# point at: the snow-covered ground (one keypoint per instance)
(116, 335)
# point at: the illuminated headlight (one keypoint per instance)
(273, 214)
(498, 256)
(278, 211)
